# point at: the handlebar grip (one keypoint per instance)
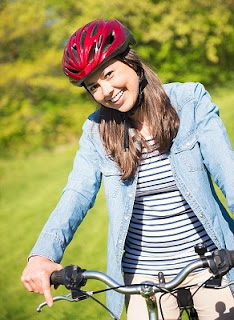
(71, 277)
(57, 277)
(221, 261)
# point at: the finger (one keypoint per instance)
(29, 284)
(47, 291)
(28, 287)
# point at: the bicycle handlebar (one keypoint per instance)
(73, 277)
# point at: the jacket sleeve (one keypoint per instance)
(214, 144)
(77, 198)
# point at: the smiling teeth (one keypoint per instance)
(117, 97)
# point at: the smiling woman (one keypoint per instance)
(115, 86)
(152, 145)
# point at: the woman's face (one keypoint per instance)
(115, 86)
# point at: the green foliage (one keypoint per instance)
(38, 106)
(187, 40)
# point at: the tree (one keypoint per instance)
(187, 40)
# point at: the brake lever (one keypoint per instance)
(57, 298)
(77, 295)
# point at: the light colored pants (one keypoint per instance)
(210, 304)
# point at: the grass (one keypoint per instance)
(29, 189)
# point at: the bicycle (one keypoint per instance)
(73, 278)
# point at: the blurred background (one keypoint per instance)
(41, 115)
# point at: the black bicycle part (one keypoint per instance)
(185, 303)
(71, 277)
(213, 282)
(221, 262)
(200, 249)
(79, 295)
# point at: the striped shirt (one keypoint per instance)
(163, 229)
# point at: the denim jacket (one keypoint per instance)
(200, 150)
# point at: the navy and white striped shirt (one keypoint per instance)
(163, 228)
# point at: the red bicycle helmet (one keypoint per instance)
(92, 45)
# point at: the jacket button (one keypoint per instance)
(202, 215)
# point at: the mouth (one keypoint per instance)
(117, 96)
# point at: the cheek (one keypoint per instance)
(134, 83)
(135, 88)
(120, 82)
(97, 97)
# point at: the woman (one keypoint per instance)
(155, 147)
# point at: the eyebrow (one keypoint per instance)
(89, 84)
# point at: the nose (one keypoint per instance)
(107, 89)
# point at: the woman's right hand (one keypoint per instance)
(36, 276)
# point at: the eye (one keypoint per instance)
(108, 74)
(93, 88)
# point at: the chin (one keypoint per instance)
(126, 108)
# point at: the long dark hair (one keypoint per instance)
(155, 108)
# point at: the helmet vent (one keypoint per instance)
(95, 30)
(72, 70)
(109, 40)
(67, 54)
(92, 52)
(82, 40)
(74, 51)
(99, 41)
